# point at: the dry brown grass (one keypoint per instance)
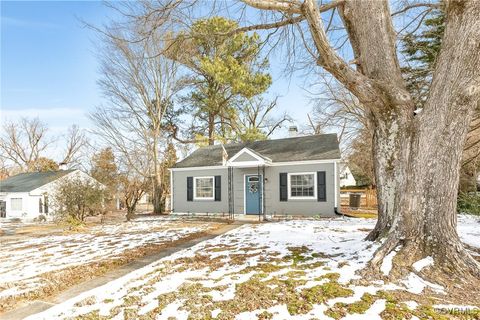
(57, 281)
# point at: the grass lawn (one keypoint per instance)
(298, 269)
(36, 263)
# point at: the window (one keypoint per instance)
(302, 185)
(16, 204)
(204, 188)
(40, 205)
(45, 204)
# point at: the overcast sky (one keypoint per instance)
(49, 69)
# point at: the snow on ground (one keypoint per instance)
(25, 259)
(299, 269)
(420, 264)
(469, 229)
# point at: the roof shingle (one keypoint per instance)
(315, 147)
(26, 182)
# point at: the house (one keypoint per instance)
(346, 176)
(294, 176)
(26, 195)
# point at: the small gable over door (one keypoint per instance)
(245, 157)
(248, 157)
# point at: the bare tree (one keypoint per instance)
(23, 142)
(140, 86)
(337, 108)
(255, 120)
(132, 184)
(75, 141)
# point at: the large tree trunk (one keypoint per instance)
(417, 158)
(387, 169)
(370, 30)
(425, 218)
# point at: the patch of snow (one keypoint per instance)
(387, 263)
(415, 284)
(216, 312)
(425, 262)
(469, 229)
(172, 311)
(412, 305)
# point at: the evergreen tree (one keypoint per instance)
(420, 52)
(225, 70)
(104, 170)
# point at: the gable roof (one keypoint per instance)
(26, 182)
(316, 147)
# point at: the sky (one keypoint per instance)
(49, 68)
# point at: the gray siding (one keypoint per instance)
(299, 206)
(180, 203)
(271, 196)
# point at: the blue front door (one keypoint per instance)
(253, 194)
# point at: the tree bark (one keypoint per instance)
(157, 174)
(370, 30)
(157, 191)
(130, 213)
(384, 180)
(211, 129)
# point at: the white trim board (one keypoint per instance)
(335, 184)
(289, 186)
(259, 162)
(195, 188)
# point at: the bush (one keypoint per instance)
(75, 199)
(469, 203)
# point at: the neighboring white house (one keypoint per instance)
(26, 195)
(346, 176)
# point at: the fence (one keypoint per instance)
(368, 197)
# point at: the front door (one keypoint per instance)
(3, 209)
(253, 194)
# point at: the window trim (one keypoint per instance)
(195, 188)
(21, 204)
(289, 185)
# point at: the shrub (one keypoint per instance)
(469, 203)
(74, 199)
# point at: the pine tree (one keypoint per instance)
(225, 70)
(420, 52)
(104, 170)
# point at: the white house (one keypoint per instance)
(25, 195)
(346, 176)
